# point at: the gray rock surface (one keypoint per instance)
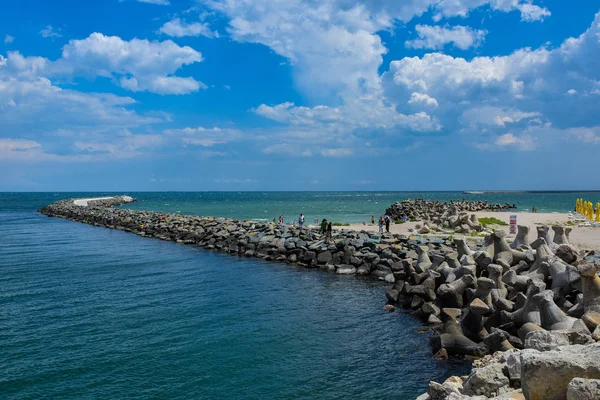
(546, 375)
(583, 389)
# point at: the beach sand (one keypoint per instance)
(584, 237)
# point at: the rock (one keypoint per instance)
(443, 391)
(548, 340)
(583, 389)
(513, 365)
(567, 253)
(546, 375)
(591, 319)
(596, 334)
(309, 256)
(389, 308)
(442, 354)
(345, 270)
(486, 381)
(324, 257)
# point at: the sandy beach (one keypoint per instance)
(584, 237)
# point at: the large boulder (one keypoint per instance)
(488, 380)
(546, 375)
(583, 389)
(549, 340)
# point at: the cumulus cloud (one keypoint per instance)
(139, 64)
(136, 65)
(177, 28)
(335, 52)
(436, 37)
(8, 39)
(417, 98)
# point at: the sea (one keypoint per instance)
(88, 312)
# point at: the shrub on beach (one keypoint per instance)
(491, 221)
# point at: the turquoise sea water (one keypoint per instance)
(88, 312)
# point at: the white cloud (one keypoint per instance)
(18, 145)
(8, 39)
(478, 118)
(416, 98)
(509, 140)
(136, 65)
(49, 31)
(126, 146)
(177, 28)
(339, 152)
(36, 104)
(531, 12)
(461, 8)
(140, 65)
(297, 150)
(205, 137)
(492, 94)
(436, 37)
(335, 52)
(236, 180)
(157, 2)
(586, 135)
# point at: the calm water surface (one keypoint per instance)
(88, 312)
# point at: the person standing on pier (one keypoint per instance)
(301, 221)
(372, 220)
(380, 224)
(387, 223)
(329, 232)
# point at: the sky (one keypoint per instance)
(316, 95)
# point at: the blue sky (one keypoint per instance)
(134, 95)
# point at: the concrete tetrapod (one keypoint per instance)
(543, 232)
(530, 311)
(453, 339)
(483, 291)
(495, 274)
(522, 238)
(552, 318)
(543, 254)
(452, 293)
(423, 262)
(560, 236)
(472, 322)
(590, 283)
(564, 277)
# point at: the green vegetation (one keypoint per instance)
(491, 221)
(398, 222)
(339, 224)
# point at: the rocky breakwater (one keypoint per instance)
(380, 256)
(537, 301)
(444, 217)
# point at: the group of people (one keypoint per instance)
(383, 220)
(327, 229)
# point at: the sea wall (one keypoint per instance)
(478, 298)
